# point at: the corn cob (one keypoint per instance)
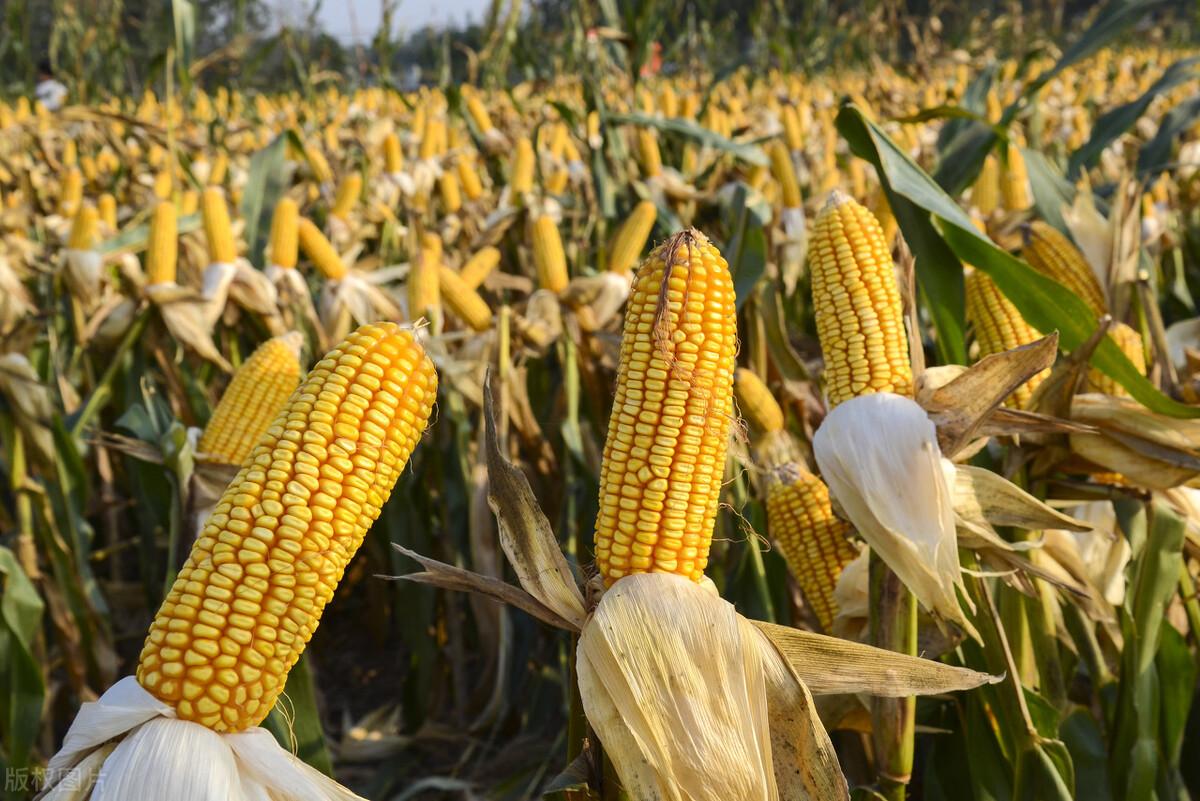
(1000, 327)
(664, 455)
(793, 131)
(1050, 252)
(479, 267)
(468, 178)
(450, 194)
(318, 164)
(162, 247)
(985, 194)
(164, 185)
(548, 255)
(465, 303)
(756, 402)
(84, 228)
(107, 206)
(524, 163)
(424, 296)
(860, 318)
(785, 174)
(1014, 186)
(557, 181)
(285, 222)
(814, 542)
(320, 251)
(255, 396)
(70, 154)
(269, 558)
(348, 192)
(478, 111)
(217, 229)
(648, 153)
(72, 192)
(189, 202)
(1130, 343)
(220, 166)
(393, 156)
(627, 245)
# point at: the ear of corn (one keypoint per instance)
(479, 267)
(162, 249)
(523, 165)
(348, 192)
(84, 228)
(985, 194)
(253, 399)
(217, 229)
(756, 403)
(393, 156)
(548, 255)
(468, 178)
(320, 251)
(785, 174)
(664, 455)
(1130, 343)
(107, 206)
(164, 185)
(285, 233)
(478, 111)
(424, 295)
(449, 191)
(859, 315)
(1014, 185)
(630, 239)
(814, 542)
(648, 153)
(465, 303)
(72, 192)
(999, 327)
(1050, 252)
(267, 562)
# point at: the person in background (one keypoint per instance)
(49, 92)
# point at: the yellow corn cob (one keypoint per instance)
(107, 206)
(465, 303)
(985, 194)
(814, 542)
(268, 560)
(479, 267)
(164, 184)
(220, 166)
(664, 455)
(424, 295)
(72, 192)
(84, 228)
(1130, 343)
(524, 162)
(255, 396)
(785, 174)
(318, 164)
(217, 230)
(70, 155)
(433, 139)
(630, 240)
(450, 194)
(285, 223)
(756, 402)
(87, 165)
(347, 195)
(860, 319)
(393, 156)
(319, 250)
(648, 153)
(162, 248)
(1000, 327)
(548, 256)
(792, 130)
(478, 111)
(468, 178)
(1050, 252)
(1014, 186)
(189, 201)
(557, 180)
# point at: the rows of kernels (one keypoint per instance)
(1050, 252)
(756, 403)
(320, 251)
(1130, 343)
(218, 231)
(999, 327)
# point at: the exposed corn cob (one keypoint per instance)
(479, 267)
(468, 178)
(269, 558)
(189, 202)
(785, 174)
(793, 131)
(318, 164)
(164, 184)
(348, 192)
(649, 155)
(1050, 252)
(162, 248)
(393, 156)
(465, 303)
(450, 194)
(630, 240)
(756, 402)
(520, 180)
(424, 296)
(478, 111)
(72, 192)
(985, 194)
(1000, 327)
(84, 228)
(285, 223)
(253, 399)
(664, 455)
(220, 166)
(1130, 343)
(813, 540)
(217, 229)
(548, 255)
(320, 251)
(860, 318)
(107, 206)
(1014, 186)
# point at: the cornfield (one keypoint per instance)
(637, 434)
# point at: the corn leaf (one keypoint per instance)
(264, 185)
(749, 153)
(1155, 155)
(21, 683)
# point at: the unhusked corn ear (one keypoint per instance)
(548, 255)
(785, 173)
(320, 251)
(347, 195)
(1014, 185)
(217, 229)
(83, 228)
(107, 206)
(999, 327)
(268, 560)
(664, 455)
(626, 247)
(523, 165)
(253, 399)
(985, 193)
(285, 233)
(1130, 343)
(479, 267)
(859, 314)
(393, 156)
(648, 153)
(162, 248)
(814, 542)
(465, 303)
(756, 402)
(1050, 252)
(424, 295)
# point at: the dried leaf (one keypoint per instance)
(983, 496)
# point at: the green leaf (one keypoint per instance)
(751, 154)
(184, 14)
(1051, 192)
(1112, 124)
(265, 184)
(21, 683)
(1038, 777)
(1155, 155)
(134, 238)
(746, 249)
(1085, 741)
(1155, 580)
(295, 715)
(1177, 686)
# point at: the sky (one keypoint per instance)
(357, 20)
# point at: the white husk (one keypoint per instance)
(82, 270)
(239, 281)
(361, 295)
(880, 456)
(158, 756)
